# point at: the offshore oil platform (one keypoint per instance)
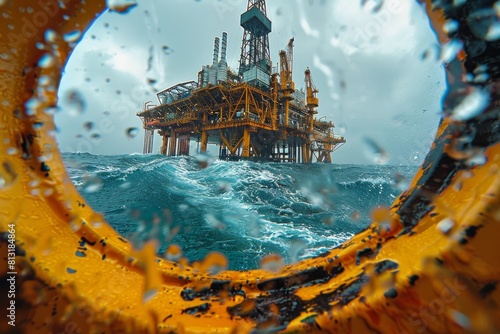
(255, 113)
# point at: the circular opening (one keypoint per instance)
(370, 86)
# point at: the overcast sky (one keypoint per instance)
(367, 62)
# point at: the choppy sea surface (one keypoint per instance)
(244, 209)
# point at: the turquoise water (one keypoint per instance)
(244, 209)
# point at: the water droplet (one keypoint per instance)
(45, 80)
(382, 215)
(214, 222)
(432, 52)
(246, 307)
(477, 159)
(296, 248)
(481, 78)
(204, 160)
(125, 185)
(355, 215)
(32, 105)
(461, 319)
(75, 102)
(173, 253)
(214, 263)
(51, 110)
(47, 61)
(472, 105)
(12, 151)
(166, 49)
(91, 183)
(375, 152)
(384, 218)
(88, 126)
(34, 183)
(272, 262)
(400, 182)
(72, 36)
(121, 6)
(329, 221)
(224, 186)
(131, 132)
(75, 224)
(458, 3)
(445, 225)
(399, 120)
(51, 36)
(451, 26)
(149, 294)
(485, 24)
(7, 175)
(342, 128)
(95, 136)
(48, 192)
(450, 50)
(372, 5)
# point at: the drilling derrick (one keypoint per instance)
(255, 59)
(249, 114)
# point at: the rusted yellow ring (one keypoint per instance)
(408, 272)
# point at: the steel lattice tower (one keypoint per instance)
(255, 60)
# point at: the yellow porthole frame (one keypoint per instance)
(431, 265)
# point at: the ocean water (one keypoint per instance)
(244, 209)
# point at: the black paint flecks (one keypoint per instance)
(203, 308)
(44, 167)
(391, 293)
(412, 279)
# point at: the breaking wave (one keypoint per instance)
(243, 209)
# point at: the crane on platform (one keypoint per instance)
(287, 84)
(312, 101)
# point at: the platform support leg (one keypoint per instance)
(246, 143)
(204, 140)
(164, 141)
